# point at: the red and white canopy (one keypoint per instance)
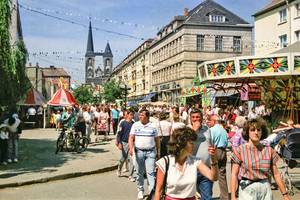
(62, 97)
(33, 98)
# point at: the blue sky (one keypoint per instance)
(138, 18)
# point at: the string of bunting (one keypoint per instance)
(95, 18)
(43, 11)
(79, 24)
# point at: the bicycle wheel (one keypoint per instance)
(81, 144)
(59, 144)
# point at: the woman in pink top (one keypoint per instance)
(103, 122)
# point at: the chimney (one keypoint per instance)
(186, 12)
(30, 65)
(52, 67)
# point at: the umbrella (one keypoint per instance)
(62, 97)
(33, 98)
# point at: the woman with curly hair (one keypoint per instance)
(182, 167)
(256, 163)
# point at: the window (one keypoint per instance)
(218, 43)
(283, 41)
(298, 9)
(282, 15)
(217, 18)
(297, 33)
(200, 42)
(237, 41)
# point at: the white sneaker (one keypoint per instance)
(16, 160)
(4, 163)
(131, 178)
(140, 195)
(9, 160)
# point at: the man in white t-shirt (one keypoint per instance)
(88, 121)
(145, 142)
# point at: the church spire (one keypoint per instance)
(90, 43)
(107, 51)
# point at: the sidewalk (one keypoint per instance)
(38, 162)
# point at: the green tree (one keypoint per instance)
(83, 94)
(13, 79)
(112, 91)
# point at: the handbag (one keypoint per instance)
(163, 193)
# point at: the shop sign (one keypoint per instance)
(164, 87)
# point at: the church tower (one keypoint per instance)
(89, 57)
(107, 60)
(92, 75)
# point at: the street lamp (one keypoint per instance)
(125, 89)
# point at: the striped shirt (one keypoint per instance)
(144, 135)
(255, 161)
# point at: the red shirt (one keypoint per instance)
(255, 161)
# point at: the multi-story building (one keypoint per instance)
(276, 26)
(48, 80)
(134, 72)
(207, 32)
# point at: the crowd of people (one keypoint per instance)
(181, 150)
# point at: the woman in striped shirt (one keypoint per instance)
(256, 163)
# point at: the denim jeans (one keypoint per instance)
(204, 187)
(124, 155)
(145, 161)
(13, 146)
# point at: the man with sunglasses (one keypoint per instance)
(204, 185)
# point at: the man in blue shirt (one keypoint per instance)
(122, 138)
(115, 117)
(219, 139)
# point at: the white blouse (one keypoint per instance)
(180, 184)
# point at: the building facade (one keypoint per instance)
(283, 18)
(97, 75)
(48, 80)
(134, 72)
(207, 32)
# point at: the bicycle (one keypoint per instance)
(71, 141)
(61, 142)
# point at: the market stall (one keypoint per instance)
(276, 76)
(34, 99)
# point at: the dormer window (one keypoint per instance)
(217, 18)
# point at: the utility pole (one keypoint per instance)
(36, 76)
(125, 95)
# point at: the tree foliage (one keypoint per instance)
(13, 79)
(112, 91)
(83, 94)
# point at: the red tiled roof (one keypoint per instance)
(272, 5)
(54, 72)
